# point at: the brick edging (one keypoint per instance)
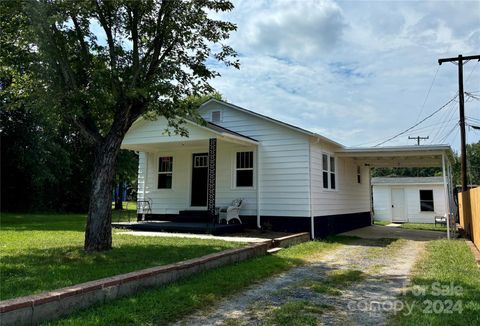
(54, 304)
(290, 240)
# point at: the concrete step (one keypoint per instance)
(273, 250)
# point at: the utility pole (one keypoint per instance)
(418, 138)
(459, 60)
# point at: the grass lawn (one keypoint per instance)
(446, 264)
(416, 226)
(40, 252)
(174, 301)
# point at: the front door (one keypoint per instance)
(398, 205)
(199, 179)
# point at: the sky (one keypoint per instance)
(357, 72)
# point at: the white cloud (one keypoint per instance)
(355, 71)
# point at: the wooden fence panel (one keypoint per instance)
(469, 209)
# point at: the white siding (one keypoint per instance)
(349, 196)
(382, 202)
(284, 156)
(171, 201)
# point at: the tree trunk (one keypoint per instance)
(98, 233)
(119, 196)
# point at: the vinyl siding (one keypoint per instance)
(284, 159)
(382, 202)
(349, 196)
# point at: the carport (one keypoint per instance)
(407, 157)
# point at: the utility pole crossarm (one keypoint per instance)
(470, 57)
(460, 59)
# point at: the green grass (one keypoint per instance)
(40, 252)
(335, 280)
(416, 226)
(445, 263)
(174, 301)
(297, 313)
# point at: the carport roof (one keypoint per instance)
(398, 156)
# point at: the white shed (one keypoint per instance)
(415, 200)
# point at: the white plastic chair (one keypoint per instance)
(230, 214)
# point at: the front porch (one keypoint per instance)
(184, 180)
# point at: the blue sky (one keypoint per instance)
(356, 71)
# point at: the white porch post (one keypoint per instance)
(259, 225)
(447, 197)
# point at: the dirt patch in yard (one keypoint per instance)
(357, 284)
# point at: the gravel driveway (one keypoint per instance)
(356, 284)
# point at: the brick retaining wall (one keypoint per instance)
(55, 304)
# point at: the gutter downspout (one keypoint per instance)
(259, 225)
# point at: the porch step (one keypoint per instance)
(273, 250)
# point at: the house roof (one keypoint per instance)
(284, 124)
(406, 180)
(221, 129)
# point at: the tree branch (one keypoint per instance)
(133, 19)
(93, 136)
(81, 40)
(108, 31)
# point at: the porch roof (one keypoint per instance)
(398, 156)
(144, 135)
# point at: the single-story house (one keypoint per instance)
(415, 200)
(291, 179)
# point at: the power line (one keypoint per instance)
(416, 124)
(428, 93)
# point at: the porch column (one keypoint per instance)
(447, 198)
(212, 166)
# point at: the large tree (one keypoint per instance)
(100, 65)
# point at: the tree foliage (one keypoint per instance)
(99, 65)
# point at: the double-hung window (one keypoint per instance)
(328, 169)
(165, 168)
(244, 169)
(426, 201)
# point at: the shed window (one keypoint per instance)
(216, 116)
(328, 171)
(244, 169)
(165, 165)
(426, 200)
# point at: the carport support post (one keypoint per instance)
(212, 167)
(445, 189)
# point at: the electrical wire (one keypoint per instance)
(428, 93)
(416, 124)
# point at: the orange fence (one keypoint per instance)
(469, 208)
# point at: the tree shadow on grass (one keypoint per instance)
(43, 222)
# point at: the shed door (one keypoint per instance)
(398, 205)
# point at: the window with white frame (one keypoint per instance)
(244, 169)
(328, 171)
(359, 174)
(165, 168)
(216, 116)
(426, 201)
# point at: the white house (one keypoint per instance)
(416, 200)
(291, 179)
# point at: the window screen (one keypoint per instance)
(165, 166)
(244, 169)
(216, 116)
(426, 200)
